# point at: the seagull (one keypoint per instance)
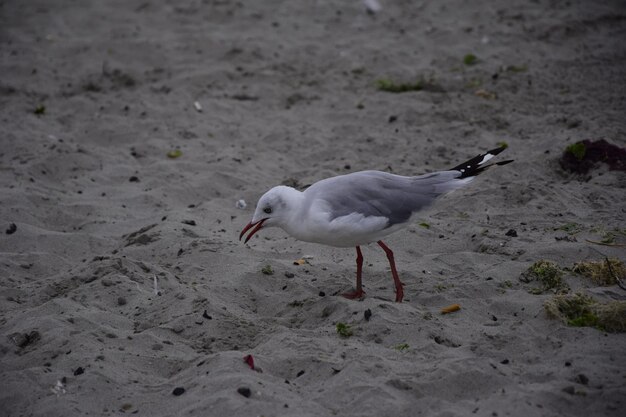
(360, 208)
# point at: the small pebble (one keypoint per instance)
(178, 391)
(121, 301)
(511, 233)
(206, 315)
(79, 371)
(245, 391)
(367, 314)
(12, 228)
(300, 374)
(289, 274)
(504, 362)
(322, 294)
(133, 179)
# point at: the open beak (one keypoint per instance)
(257, 226)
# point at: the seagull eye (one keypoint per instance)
(268, 210)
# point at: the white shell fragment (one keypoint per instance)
(198, 106)
(241, 204)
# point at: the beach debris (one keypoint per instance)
(470, 59)
(156, 286)
(241, 204)
(289, 274)
(39, 110)
(300, 373)
(267, 270)
(206, 315)
(12, 229)
(197, 106)
(58, 388)
(393, 87)
(134, 178)
(581, 156)
(450, 309)
(372, 6)
(511, 233)
(547, 273)
(79, 371)
(367, 314)
(401, 347)
(178, 391)
(245, 391)
(516, 68)
(605, 272)
(322, 294)
(22, 340)
(174, 153)
(249, 360)
(424, 225)
(189, 222)
(482, 93)
(502, 144)
(580, 310)
(300, 261)
(344, 330)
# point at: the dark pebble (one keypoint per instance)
(494, 318)
(289, 275)
(504, 362)
(189, 222)
(568, 363)
(180, 252)
(133, 179)
(392, 119)
(79, 371)
(178, 391)
(300, 374)
(582, 379)
(12, 228)
(322, 294)
(367, 314)
(511, 233)
(121, 301)
(206, 315)
(245, 391)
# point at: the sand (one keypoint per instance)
(93, 97)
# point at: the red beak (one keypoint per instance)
(249, 226)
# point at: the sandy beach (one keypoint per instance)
(129, 131)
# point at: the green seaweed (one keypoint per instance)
(425, 225)
(547, 273)
(502, 144)
(393, 87)
(605, 272)
(580, 310)
(40, 109)
(470, 59)
(517, 68)
(401, 347)
(267, 270)
(577, 149)
(175, 153)
(344, 330)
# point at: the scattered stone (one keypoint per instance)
(504, 362)
(121, 301)
(79, 371)
(22, 340)
(289, 275)
(12, 228)
(189, 222)
(245, 391)
(299, 374)
(367, 314)
(178, 391)
(322, 294)
(134, 178)
(512, 233)
(206, 315)
(582, 379)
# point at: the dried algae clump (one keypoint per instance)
(547, 273)
(605, 273)
(580, 310)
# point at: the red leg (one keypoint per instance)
(358, 293)
(394, 272)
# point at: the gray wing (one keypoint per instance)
(376, 193)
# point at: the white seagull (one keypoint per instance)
(360, 208)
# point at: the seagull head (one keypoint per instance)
(273, 209)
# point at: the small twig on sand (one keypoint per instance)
(619, 245)
(618, 279)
